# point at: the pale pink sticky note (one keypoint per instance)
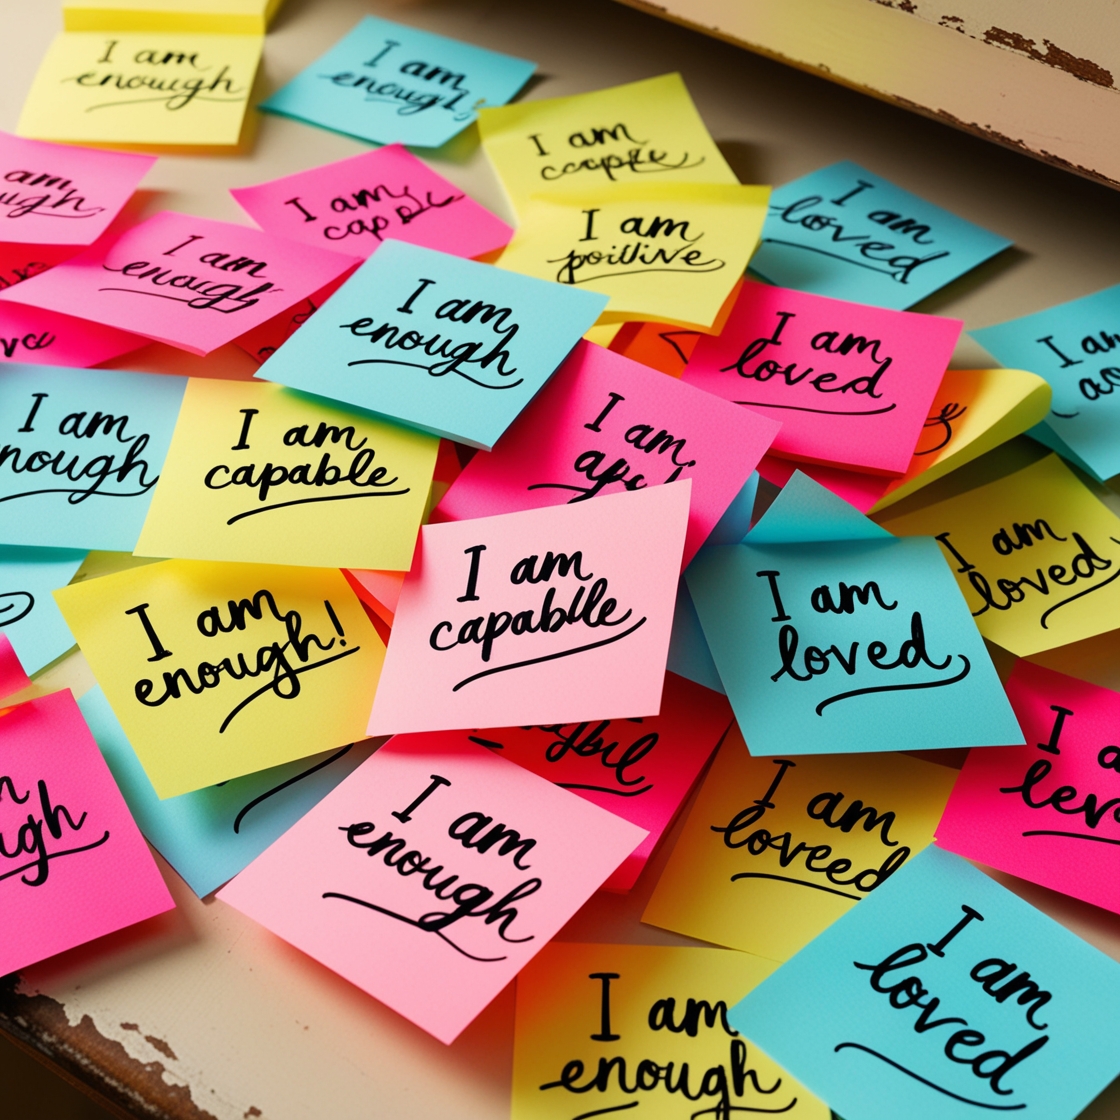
(851, 384)
(639, 768)
(431, 875)
(543, 616)
(354, 205)
(855, 487)
(57, 194)
(604, 424)
(38, 337)
(1048, 811)
(190, 282)
(12, 677)
(78, 867)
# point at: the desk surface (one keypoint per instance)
(201, 1013)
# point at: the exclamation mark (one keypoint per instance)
(337, 624)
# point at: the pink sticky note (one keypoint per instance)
(431, 875)
(543, 616)
(78, 867)
(263, 341)
(605, 424)
(352, 206)
(851, 384)
(12, 677)
(855, 487)
(1048, 811)
(57, 194)
(639, 768)
(190, 282)
(31, 335)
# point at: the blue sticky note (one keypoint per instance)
(942, 996)
(210, 835)
(80, 453)
(28, 613)
(845, 232)
(394, 84)
(447, 345)
(856, 642)
(1076, 347)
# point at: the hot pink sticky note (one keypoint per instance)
(190, 282)
(57, 194)
(431, 875)
(263, 341)
(352, 206)
(12, 677)
(78, 867)
(543, 616)
(1048, 811)
(639, 768)
(855, 487)
(604, 424)
(31, 335)
(851, 384)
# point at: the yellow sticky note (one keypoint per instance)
(262, 474)
(227, 17)
(599, 141)
(219, 670)
(1036, 555)
(668, 254)
(605, 1028)
(602, 334)
(142, 88)
(776, 849)
(974, 411)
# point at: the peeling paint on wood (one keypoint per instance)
(1083, 68)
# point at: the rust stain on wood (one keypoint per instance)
(152, 1041)
(83, 1053)
(1052, 55)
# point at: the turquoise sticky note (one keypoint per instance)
(1076, 347)
(830, 635)
(845, 232)
(80, 452)
(210, 835)
(942, 996)
(28, 614)
(447, 345)
(390, 83)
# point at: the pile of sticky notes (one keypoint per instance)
(529, 552)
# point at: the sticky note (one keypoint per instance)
(594, 1023)
(1046, 811)
(604, 425)
(776, 849)
(602, 140)
(942, 995)
(851, 385)
(263, 341)
(390, 83)
(80, 451)
(355, 204)
(639, 768)
(28, 615)
(155, 89)
(210, 835)
(689, 655)
(662, 346)
(190, 282)
(589, 587)
(180, 648)
(230, 17)
(256, 471)
(860, 490)
(664, 253)
(490, 841)
(13, 676)
(73, 866)
(844, 231)
(32, 336)
(58, 194)
(18, 262)
(1071, 346)
(859, 642)
(1028, 551)
(453, 347)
